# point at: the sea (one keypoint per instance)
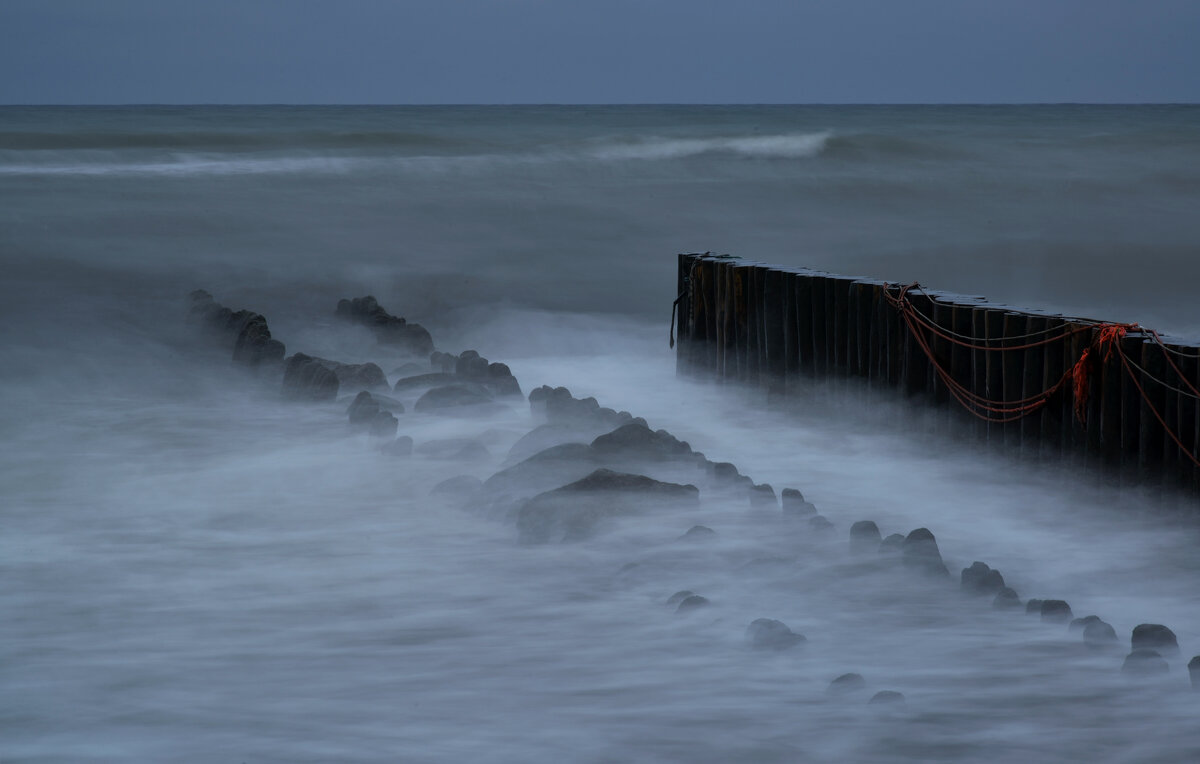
(193, 569)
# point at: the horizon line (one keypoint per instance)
(131, 104)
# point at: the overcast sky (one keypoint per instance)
(598, 51)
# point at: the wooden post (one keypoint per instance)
(1033, 383)
(1051, 431)
(1150, 455)
(1013, 368)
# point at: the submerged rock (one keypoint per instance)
(692, 602)
(1154, 636)
(864, 536)
(767, 633)
(450, 397)
(383, 425)
(981, 580)
(1006, 599)
(920, 553)
(886, 697)
(307, 379)
(388, 329)
(401, 446)
(636, 441)
(793, 503)
(819, 524)
(1033, 607)
(679, 596)
(575, 511)
(1099, 634)
(893, 544)
(1144, 662)
(699, 533)
(846, 684)
(1056, 611)
(363, 409)
(1194, 672)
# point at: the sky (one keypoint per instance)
(598, 51)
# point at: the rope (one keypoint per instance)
(1145, 399)
(674, 307)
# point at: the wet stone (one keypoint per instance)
(1099, 634)
(1079, 624)
(1194, 672)
(1144, 662)
(699, 533)
(820, 524)
(1056, 611)
(363, 409)
(679, 596)
(1006, 599)
(846, 684)
(864, 536)
(769, 634)
(981, 580)
(886, 697)
(1033, 607)
(1154, 636)
(383, 425)
(920, 553)
(693, 602)
(763, 495)
(794, 504)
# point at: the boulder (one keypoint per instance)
(762, 495)
(1079, 624)
(460, 485)
(1154, 636)
(636, 441)
(981, 580)
(254, 345)
(864, 536)
(886, 697)
(1144, 662)
(500, 378)
(547, 435)
(575, 511)
(692, 602)
(358, 376)
(920, 553)
(1006, 599)
(424, 381)
(450, 397)
(1099, 634)
(388, 329)
(769, 634)
(699, 533)
(363, 409)
(1055, 611)
(794, 504)
(893, 544)
(383, 425)
(306, 379)
(679, 596)
(1194, 672)
(1033, 607)
(846, 684)
(819, 524)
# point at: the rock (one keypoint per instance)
(450, 397)
(471, 365)
(692, 602)
(357, 376)
(500, 378)
(558, 407)
(1056, 611)
(253, 344)
(409, 369)
(460, 485)
(546, 435)
(699, 533)
(638, 442)
(679, 596)
(1079, 624)
(886, 697)
(1144, 662)
(1006, 599)
(893, 544)
(981, 580)
(401, 446)
(443, 362)
(846, 684)
(424, 381)
(1194, 672)
(306, 379)
(1099, 634)
(794, 504)
(574, 511)
(920, 553)
(1033, 607)
(762, 495)
(383, 425)
(363, 409)
(864, 536)
(1154, 636)
(819, 524)
(388, 329)
(769, 634)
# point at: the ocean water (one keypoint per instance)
(196, 570)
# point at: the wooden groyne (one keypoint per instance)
(1118, 398)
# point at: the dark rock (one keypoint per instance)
(981, 580)
(636, 441)
(461, 485)
(767, 633)
(864, 536)
(306, 379)
(699, 533)
(383, 425)
(1194, 672)
(692, 602)
(500, 378)
(450, 396)
(547, 435)
(893, 544)
(1056, 611)
(847, 683)
(1033, 607)
(921, 553)
(762, 495)
(401, 446)
(679, 596)
(363, 409)
(1154, 636)
(1079, 624)
(388, 329)
(574, 511)
(443, 362)
(1006, 599)
(424, 381)
(409, 369)
(558, 407)
(820, 524)
(357, 376)
(471, 365)
(886, 697)
(1144, 662)
(1099, 634)
(254, 344)
(794, 504)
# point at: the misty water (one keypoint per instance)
(197, 570)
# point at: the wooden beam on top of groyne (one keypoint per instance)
(1117, 398)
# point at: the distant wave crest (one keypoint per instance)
(785, 146)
